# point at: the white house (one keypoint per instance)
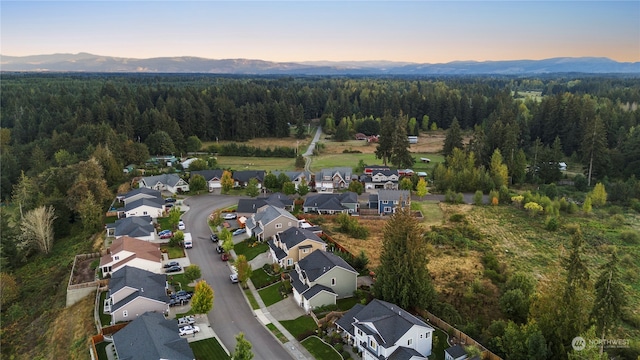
(141, 193)
(382, 330)
(328, 180)
(128, 251)
(165, 182)
(143, 207)
(140, 227)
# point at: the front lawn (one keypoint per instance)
(283, 339)
(252, 300)
(174, 252)
(347, 303)
(102, 351)
(319, 349)
(300, 326)
(250, 248)
(208, 349)
(261, 278)
(180, 282)
(271, 294)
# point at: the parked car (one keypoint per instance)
(178, 302)
(230, 216)
(186, 320)
(169, 200)
(234, 278)
(219, 249)
(167, 231)
(181, 225)
(188, 294)
(224, 257)
(239, 231)
(189, 330)
(171, 264)
(168, 205)
(214, 238)
(168, 235)
(173, 269)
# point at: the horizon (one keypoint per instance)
(421, 32)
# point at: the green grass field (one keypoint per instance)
(245, 248)
(271, 294)
(299, 326)
(252, 300)
(283, 339)
(319, 349)
(323, 161)
(260, 278)
(105, 319)
(208, 349)
(267, 164)
(439, 345)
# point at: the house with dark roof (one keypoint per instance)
(382, 179)
(251, 206)
(241, 178)
(268, 221)
(296, 177)
(328, 180)
(321, 278)
(165, 182)
(293, 245)
(133, 291)
(128, 251)
(368, 170)
(346, 202)
(151, 337)
(455, 352)
(143, 207)
(141, 193)
(140, 227)
(212, 177)
(382, 330)
(386, 201)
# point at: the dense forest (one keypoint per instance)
(65, 138)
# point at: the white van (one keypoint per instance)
(188, 242)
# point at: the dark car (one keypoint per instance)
(166, 235)
(186, 294)
(224, 257)
(214, 238)
(171, 264)
(173, 269)
(169, 200)
(219, 249)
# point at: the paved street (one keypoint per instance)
(231, 314)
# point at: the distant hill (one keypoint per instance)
(84, 62)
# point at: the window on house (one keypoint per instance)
(116, 257)
(372, 344)
(304, 251)
(427, 335)
(359, 332)
(289, 262)
(289, 224)
(421, 336)
(278, 226)
(409, 342)
(333, 281)
(387, 209)
(125, 313)
(145, 213)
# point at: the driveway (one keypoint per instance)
(286, 309)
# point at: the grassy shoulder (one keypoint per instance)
(319, 349)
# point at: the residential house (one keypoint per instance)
(322, 277)
(251, 206)
(295, 177)
(405, 172)
(133, 291)
(163, 160)
(212, 177)
(151, 337)
(241, 178)
(328, 180)
(369, 170)
(128, 251)
(455, 352)
(382, 179)
(140, 227)
(268, 221)
(386, 201)
(346, 202)
(361, 136)
(293, 245)
(143, 207)
(165, 182)
(185, 164)
(141, 193)
(412, 139)
(383, 330)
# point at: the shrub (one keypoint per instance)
(494, 197)
(504, 194)
(338, 347)
(459, 199)
(449, 196)
(477, 198)
(617, 220)
(630, 237)
(517, 200)
(635, 205)
(580, 182)
(457, 218)
(552, 223)
(533, 208)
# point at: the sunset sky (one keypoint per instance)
(413, 31)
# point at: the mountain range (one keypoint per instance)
(84, 62)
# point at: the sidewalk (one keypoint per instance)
(294, 348)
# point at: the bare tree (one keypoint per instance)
(37, 228)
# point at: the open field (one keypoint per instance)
(264, 143)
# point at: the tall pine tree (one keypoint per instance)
(385, 142)
(453, 139)
(610, 297)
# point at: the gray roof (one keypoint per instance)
(294, 236)
(393, 195)
(149, 285)
(279, 253)
(405, 353)
(315, 290)
(390, 321)
(270, 213)
(385, 172)
(168, 179)
(246, 175)
(143, 190)
(347, 319)
(345, 172)
(151, 337)
(208, 174)
(278, 198)
(135, 226)
(455, 351)
(319, 262)
(141, 202)
(250, 205)
(292, 175)
(329, 201)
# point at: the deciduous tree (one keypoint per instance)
(406, 184)
(288, 188)
(421, 188)
(226, 182)
(303, 187)
(498, 170)
(598, 195)
(202, 300)
(197, 183)
(243, 349)
(356, 187)
(37, 228)
(244, 269)
(252, 188)
(192, 272)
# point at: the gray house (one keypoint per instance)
(151, 337)
(321, 278)
(212, 177)
(141, 193)
(133, 291)
(295, 177)
(165, 182)
(251, 206)
(346, 202)
(268, 221)
(241, 178)
(140, 227)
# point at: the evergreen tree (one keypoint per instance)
(301, 131)
(610, 297)
(594, 146)
(453, 139)
(385, 142)
(243, 349)
(498, 170)
(400, 155)
(303, 187)
(403, 277)
(300, 162)
(598, 195)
